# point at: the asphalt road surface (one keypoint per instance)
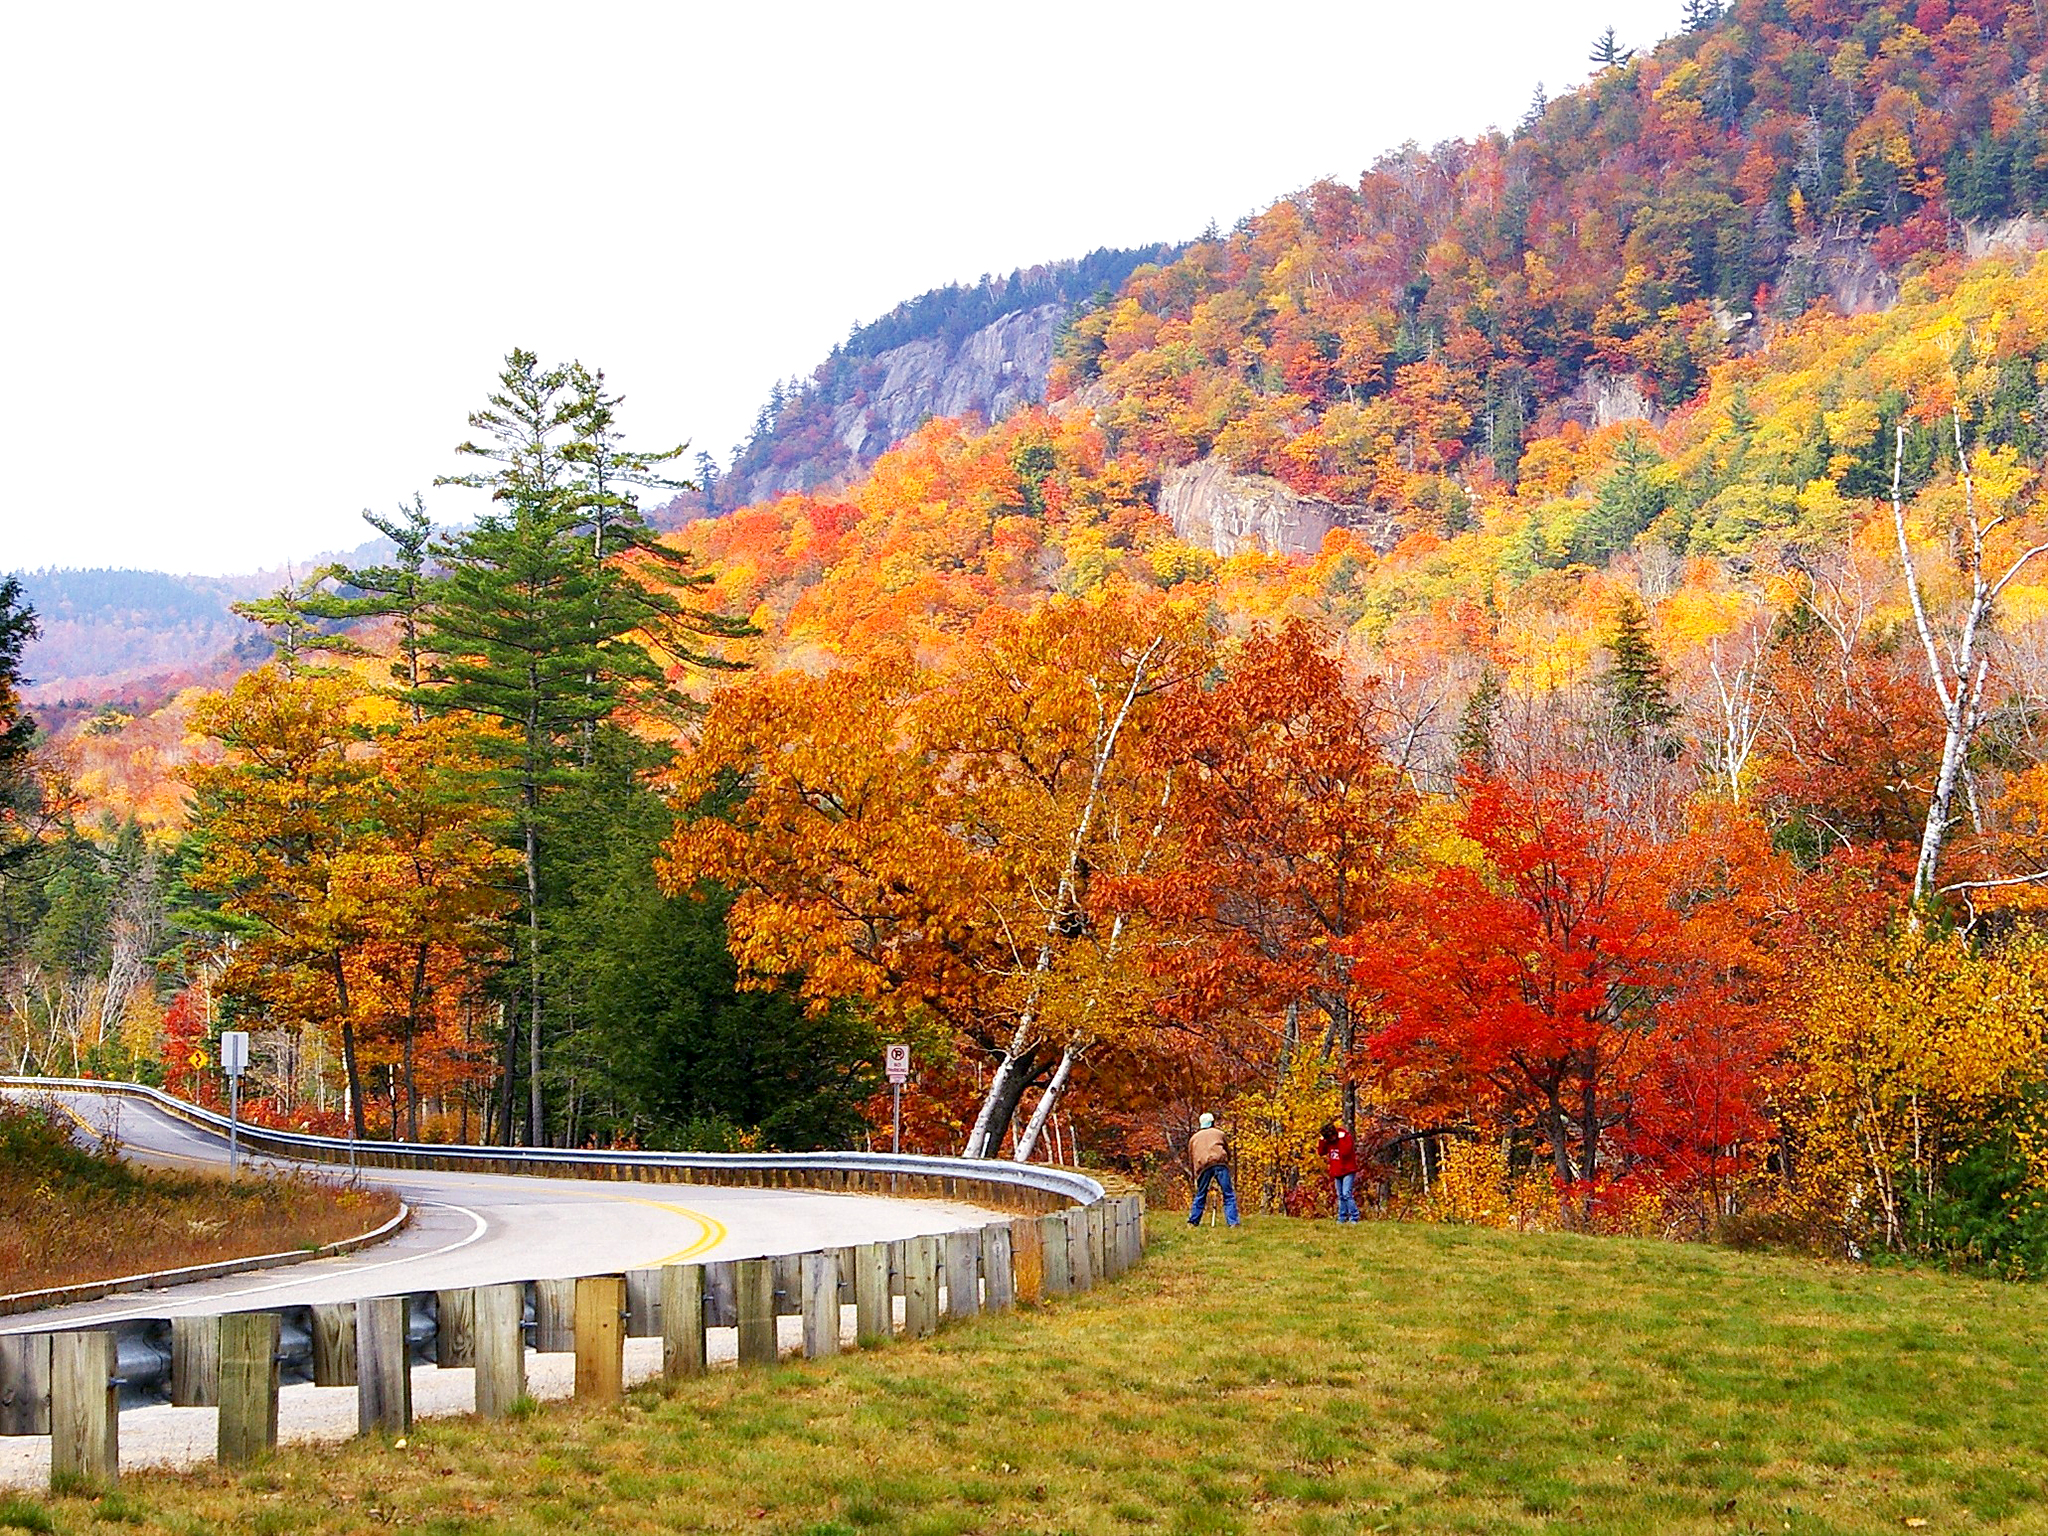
(482, 1229)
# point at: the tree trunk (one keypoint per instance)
(1028, 1143)
(534, 1106)
(348, 1051)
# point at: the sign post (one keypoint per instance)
(897, 1060)
(234, 1060)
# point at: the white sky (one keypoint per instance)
(258, 262)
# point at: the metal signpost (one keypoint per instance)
(234, 1060)
(897, 1060)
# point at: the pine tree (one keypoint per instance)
(1701, 14)
(537, 623)
(1474, 741)
(1637, 686)
(19, 791)
(400, 590)
(1608, 53)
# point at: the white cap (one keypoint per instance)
(1207, 1120)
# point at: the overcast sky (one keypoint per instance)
(259, 262)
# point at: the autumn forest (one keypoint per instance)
(1631, 814)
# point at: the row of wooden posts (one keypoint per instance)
(231, 1361)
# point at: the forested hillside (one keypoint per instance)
(1538, 656)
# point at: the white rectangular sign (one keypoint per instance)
(897, 1060)
(234, 1052)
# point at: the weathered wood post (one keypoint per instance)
(963, 1273)
(85, 1411)
(874, 1316)
(754, 1282)
(820, 1279)
(920, 1286)
(601, 1339)
(500, 1348)
(554, 1316)
(1080, 1273)
(789, 1284)
(334, 1345)
(248, 1388)
(1098, 1245)
(721, 1295)
(195, 1362)
(996, 1267)
(455, 1328)
(1059, 1276)
(383, 1367)
(25, 1384)
(682, 1321)
(643, 1303)
(1027, 1259)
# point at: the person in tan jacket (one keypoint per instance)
(1209, 1156)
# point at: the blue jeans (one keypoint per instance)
(1219, 1175)
(1347, 1206)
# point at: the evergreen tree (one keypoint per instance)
(1608, 53)
(1474, 741)
(1700, 14)
(533, 623)
(20, 793)
(400, 590)
(1628, 501)
(1637, 687)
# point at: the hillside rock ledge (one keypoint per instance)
(1215, 508)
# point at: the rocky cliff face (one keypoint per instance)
(988, 373)
(1212, 506)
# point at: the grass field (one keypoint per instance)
(69, 1215)
(1287, 1377)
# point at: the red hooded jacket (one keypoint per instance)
(1340, 1156)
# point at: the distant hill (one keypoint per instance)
(130, 638)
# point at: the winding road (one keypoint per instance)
(481, 1229)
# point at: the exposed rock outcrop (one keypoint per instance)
(2006, 238)
(988, 373)
(1211, 505)
(1838, 266)
(1604, 398)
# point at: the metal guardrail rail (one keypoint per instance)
(1027, 1184)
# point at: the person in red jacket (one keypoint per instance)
(1340, 1157)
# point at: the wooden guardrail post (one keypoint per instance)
(820, 1279)
(601, 1339)
(25, 1384)
(963, 1273)
(334, 1345)
(455, 1328)
(996, 1267)
(1080, 1273)
(789, 1284)
(920, 1286)
(721, 1295)
(754, 1281)
(195, 1362)
(85, 1410)
(682, 1321)
(874, 1315)
(554, 1317)
(643, 1303)
(383, 1367)
(1027, 1260)
(1059, 1275)
(248, 1387)
(500, 1348)
(1098, 1244)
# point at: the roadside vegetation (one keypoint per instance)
(69, 1214)
(1291, 1376)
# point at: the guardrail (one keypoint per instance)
(71, 1385)
(1006, 1185)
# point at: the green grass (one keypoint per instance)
(1294, 1377)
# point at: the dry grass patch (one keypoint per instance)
(69, 1215)
(1295, 1377)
